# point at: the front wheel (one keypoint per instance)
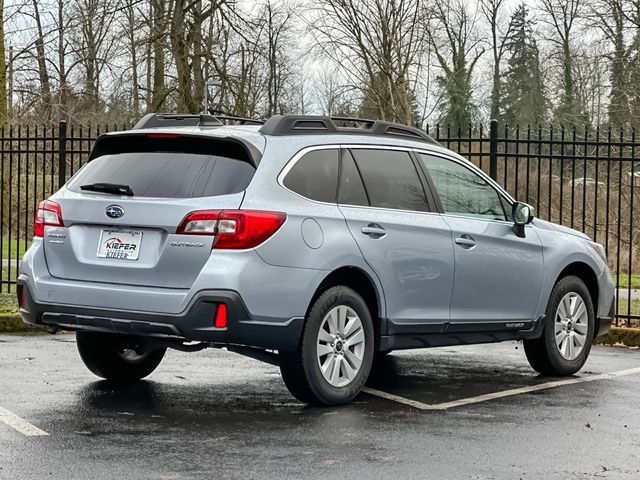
(568, 331)
(334, 358)
(117, 358)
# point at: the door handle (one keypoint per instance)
(466, 241)
(374, 230)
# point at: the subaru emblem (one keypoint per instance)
(114, 211)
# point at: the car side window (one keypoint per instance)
(315, 175)
(462, 191)
(391, 179)
(351, 190)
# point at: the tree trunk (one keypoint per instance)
(131, 19)
(158, 35)
(62, 69)
(3, 70)
(45, 86)
(567, 67)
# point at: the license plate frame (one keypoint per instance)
(119, 244)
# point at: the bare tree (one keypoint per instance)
(492, 11)
(334, 95)
(186, 40)
(45, 85)
(610, 17)
(277, 26)
(3, 70)
(591, 79)
(563, 16)
(157, 40)
(94, 43)
(130, 28)
(380, 43)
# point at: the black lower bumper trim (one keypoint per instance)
(195, 324)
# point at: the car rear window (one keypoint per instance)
(168, 174)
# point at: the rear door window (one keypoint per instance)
(391, 179)
(315, 175)
(352, 190)
(168, 174)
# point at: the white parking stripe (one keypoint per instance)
(493, 396)
(396, 398)
(19, 424)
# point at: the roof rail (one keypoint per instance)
(153, 120)
(317, 125)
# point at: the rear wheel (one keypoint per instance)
(568, 332)
(334, 358)
(117, 358)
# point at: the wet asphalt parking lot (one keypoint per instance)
(474, 412)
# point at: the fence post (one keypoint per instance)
(62, 153)
(493, 149)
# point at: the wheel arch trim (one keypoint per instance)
(349, 275)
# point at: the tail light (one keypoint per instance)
(48, 214)
(233, 229)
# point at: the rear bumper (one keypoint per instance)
(195, 323)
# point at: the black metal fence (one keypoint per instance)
(585, 179)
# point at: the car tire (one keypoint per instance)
(566, 326)
(117, 358)
(333, 360)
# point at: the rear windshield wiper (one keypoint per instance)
(113, 188)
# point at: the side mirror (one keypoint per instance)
(522, 215)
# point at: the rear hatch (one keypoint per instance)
(131, 238)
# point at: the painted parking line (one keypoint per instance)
(496, 395)
(20, 424)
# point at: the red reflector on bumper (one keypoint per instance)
(221, 316)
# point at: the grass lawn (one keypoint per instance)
(625, 278)
(4, 288)
(623, 305)
(19, 246)
(8, 303)
(10, 321)
(5, 272)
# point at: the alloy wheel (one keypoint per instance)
(571, 325)
(340, 346)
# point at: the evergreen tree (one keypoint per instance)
(524, 101)
(634, 86)
(455, 40)
(458, 109)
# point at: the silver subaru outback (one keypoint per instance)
(314, 243)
